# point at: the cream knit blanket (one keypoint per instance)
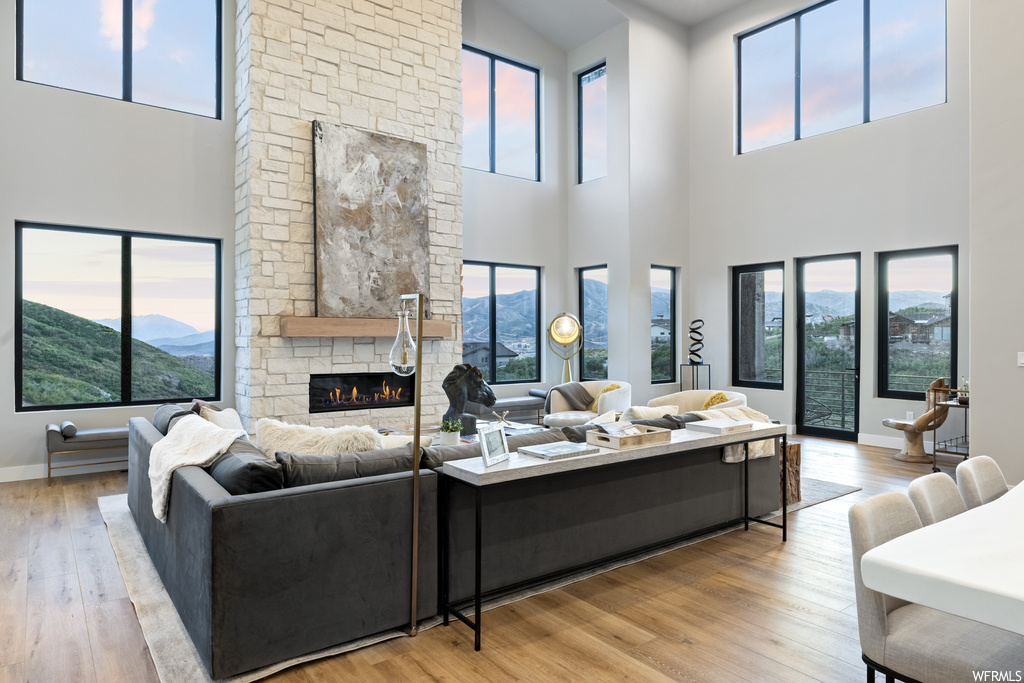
(193, 441)
(758, 449)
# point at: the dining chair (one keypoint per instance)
(980, 480)
(911, 642)
(936, 498)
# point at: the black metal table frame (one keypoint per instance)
(445, 481)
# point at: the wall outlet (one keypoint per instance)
(910, 416)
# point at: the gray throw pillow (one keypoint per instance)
(243, 469)
(303, 470)
(68, 428)
(164, 414)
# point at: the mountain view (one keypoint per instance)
(172, 336)
(68, 359)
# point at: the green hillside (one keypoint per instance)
(68, 359)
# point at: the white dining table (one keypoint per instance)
(970, 565)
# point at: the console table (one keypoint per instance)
(472, 473)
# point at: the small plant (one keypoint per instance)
(451, 426)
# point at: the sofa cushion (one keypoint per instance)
(273, 436)
(243, 469)
(634, 413)
(164, 414)
(198, 405)
(68, 428)
(714, 399)
(225, 419)
(435, 456)
(567, 418)
(303, 470)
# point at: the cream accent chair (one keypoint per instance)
(689, 401)
(562, 414)
(909, 641)
(980, 480)
(936, 498)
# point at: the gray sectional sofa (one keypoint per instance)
(261, 577)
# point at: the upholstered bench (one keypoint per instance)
(515, 405)
(66, 438)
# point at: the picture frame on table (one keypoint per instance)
(493, 444)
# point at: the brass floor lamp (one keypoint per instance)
(404, 350)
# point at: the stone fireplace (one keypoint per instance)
(392, 68)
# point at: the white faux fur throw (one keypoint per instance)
(758, 449)
(193, 441)
(274, 436)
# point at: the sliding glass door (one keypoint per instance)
(828, 346)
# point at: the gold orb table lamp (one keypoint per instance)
(565, 337)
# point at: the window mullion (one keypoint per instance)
(796, 84)
(126, 51)
(493, 118)
(867, 60)
(126, 319)
(493, 322)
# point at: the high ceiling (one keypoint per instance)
(691, 12)
(570, 23)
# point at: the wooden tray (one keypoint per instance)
(648, 436)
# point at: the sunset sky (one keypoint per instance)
(908, 68)
(77, 44)
(80, 273)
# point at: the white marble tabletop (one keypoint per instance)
(473, 471)
(969, 565)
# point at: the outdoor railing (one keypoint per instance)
(830, 399)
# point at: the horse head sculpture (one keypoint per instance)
(465, 383)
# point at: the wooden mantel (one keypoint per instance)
(307, 326)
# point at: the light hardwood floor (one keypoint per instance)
(739, 607)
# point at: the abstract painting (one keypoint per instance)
(372, 240)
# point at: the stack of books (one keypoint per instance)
(557, 450)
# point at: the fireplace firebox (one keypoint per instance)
(360, 391)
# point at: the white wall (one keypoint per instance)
(516, 221)
(78, 159)
(658, 179)
(997, 204)
(896, 183)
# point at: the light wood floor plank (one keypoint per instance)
(58, 638)
(119, 649)
(13, 610)
(98, 572)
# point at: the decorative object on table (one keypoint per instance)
(720, 426)
(465, 383)
(501, 418)
(565, 338)
(646, 436)
(402, 352)
(696, 342)
(963, 391)
(371, 234)
(557, 450)
(450, 432)
(493, 444)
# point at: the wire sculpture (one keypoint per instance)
(696, 342)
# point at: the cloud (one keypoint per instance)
(112, 20)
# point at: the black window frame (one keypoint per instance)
(737, 273)
(882, 320)
(127, 11)
(673, 362)
(491, 113)
(492, 322)
(579, 120)
(583, 322)
(797, 16)
(126, 315)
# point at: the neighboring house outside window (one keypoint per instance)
(757, 325)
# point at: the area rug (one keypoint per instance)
(176, 658)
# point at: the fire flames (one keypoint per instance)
(386, 395)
